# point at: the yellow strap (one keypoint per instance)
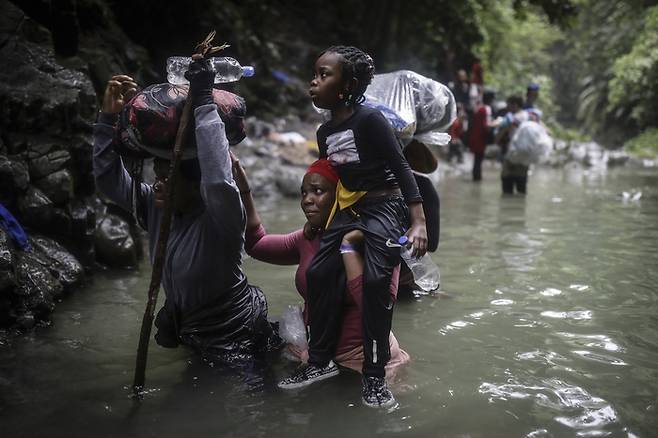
(344, 199)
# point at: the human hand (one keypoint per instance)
(118, 91)
(239, 174)
(417, 236)
(201, 75)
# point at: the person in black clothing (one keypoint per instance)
(460, 89)
(377, 195)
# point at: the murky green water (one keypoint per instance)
(551, 331)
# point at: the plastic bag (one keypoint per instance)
(529, 143)
(416, 107)
(425, 107)
(292, 328)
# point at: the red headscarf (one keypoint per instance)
(324, 168)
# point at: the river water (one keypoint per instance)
(547, 327)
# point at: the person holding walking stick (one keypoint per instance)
(209, 304)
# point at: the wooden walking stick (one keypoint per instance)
(202, 49)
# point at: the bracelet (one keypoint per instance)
(346, 248)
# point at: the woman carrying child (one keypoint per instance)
(318, 191)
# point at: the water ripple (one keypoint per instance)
(574, 406)
(592, 341)
(603, 358)
(574, 314)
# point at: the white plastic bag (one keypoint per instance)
(292, 328)
(425, 106)
(416, 107)
(529, 143)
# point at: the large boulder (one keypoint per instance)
(63, 265)
(58, 186)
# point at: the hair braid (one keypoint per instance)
(358, 65)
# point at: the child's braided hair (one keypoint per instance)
(358, 65)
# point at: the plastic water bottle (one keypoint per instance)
(226, 69)
(426, 274)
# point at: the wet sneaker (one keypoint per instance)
(309, 374)
(376, 393)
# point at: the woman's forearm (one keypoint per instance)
(253, 219)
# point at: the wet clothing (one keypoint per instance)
(293, 248)
(209, 304)
(367, 154)
(380, 219)
(514, 177)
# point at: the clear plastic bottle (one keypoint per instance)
(426, 274)
(226, 69)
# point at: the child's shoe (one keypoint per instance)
(376, 393)
(308, 374)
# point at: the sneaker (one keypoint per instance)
(376, 393)
(309, 374)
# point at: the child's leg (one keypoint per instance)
(350, 249)
(382, 221)
(326, 287)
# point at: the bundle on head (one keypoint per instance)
(149, 122)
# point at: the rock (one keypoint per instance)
(81, 148)
(83, 219)
(7, 278)
(5, 313)
(617, 158)
(64, 266)
(57, 186)
(36, 209)
(60, 224)
(26, 321)
(114, 244)
(288, 180)
(37, 287)
(14, 179)
(45, 165)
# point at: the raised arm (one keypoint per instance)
(279, 249)
(218, 190)
(110, 175)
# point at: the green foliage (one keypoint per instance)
(603, 32)
(633, 89)
(644, 145)
(516, 52)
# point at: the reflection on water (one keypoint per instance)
(551, 331)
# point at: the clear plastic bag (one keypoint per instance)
(529, 143)
(292, 328)
(425, 107)
(416, 107)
